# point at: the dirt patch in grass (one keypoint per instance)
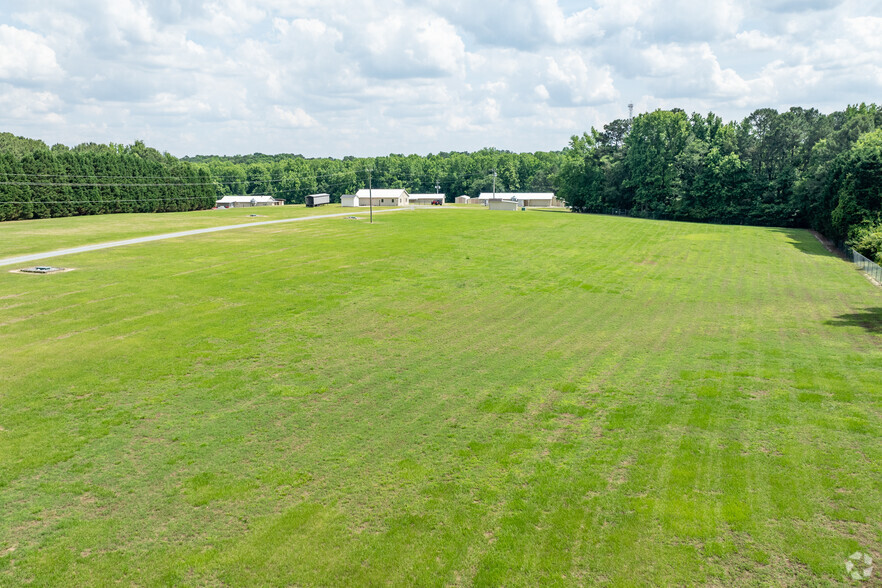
(619, 474)
(828, 244)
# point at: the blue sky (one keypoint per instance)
(336, 77)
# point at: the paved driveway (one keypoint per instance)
(22, 259)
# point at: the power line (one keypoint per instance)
(218, 178)
(414, 177)
(237, 179)
(141, 200)
(95, 185)
(183, 182)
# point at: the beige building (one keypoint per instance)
(375, 197)
(503, 205)
(464, 199)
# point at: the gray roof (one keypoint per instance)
(384, 193)
(516, 196)
(246, 198)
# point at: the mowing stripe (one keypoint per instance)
(36, 256)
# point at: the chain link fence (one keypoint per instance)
(864, 264)
(871, 269)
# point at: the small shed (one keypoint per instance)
(349, 200)
(317, 200)
(503, 205)
(464, 199)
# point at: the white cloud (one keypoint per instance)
(570, 80)
(30, 105)
(166, 103)
(861, 44)
(410, 44)
(127, 23)
(296, 118)
(787, 6)
(26, 56)
(229, 17)
(755, 40)
(688, 20)
(379, 76)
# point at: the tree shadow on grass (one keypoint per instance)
(869, 319)
(803, 240)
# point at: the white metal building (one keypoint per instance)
(424, 198)
(349, 200)
(544, 199)
(248, 200)
(396, 197)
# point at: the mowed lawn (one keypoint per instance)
(444, 397)
(39, 235)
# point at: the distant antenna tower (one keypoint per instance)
(631, 111)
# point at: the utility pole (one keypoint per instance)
(494, 184)
(371, 195)
(437, 188)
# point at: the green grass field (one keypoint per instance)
(440, 398)
(35, 236)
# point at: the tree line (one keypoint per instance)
(798, 168)
(37, 181)
(293, 177)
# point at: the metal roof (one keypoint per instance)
(377, 193)
(516, 196)
(246, 198)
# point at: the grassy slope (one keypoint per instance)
(439, 398)
(38, 235)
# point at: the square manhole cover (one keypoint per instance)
(42, 269)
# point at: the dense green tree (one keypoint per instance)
(581, 176)
(859, 176)
(654, 143)
(796, 168)
(37, 182)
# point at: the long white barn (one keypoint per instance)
(396, 197)
(246, 201)
(543, 199)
